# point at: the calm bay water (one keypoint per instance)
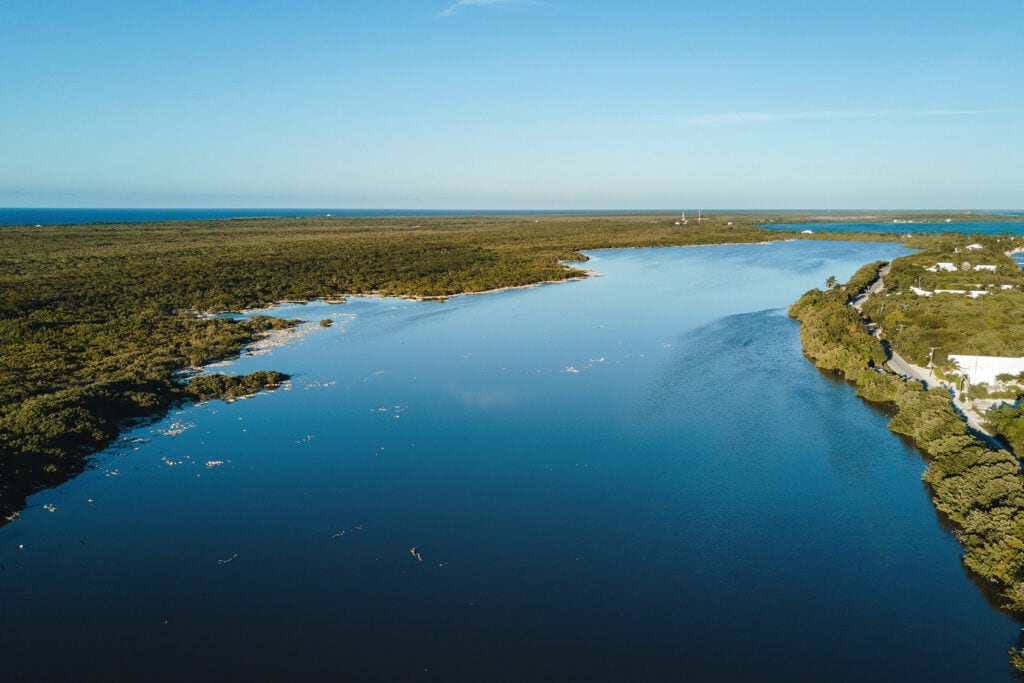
(633, 476)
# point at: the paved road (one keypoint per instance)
(874, 288)
(901, 366)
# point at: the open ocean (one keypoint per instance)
(36, 216)
(9, 216)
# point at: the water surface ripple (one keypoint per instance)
(636, 476)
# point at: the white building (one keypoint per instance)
(974, 293)
(984, 369)
(943, 265)
(991, 269)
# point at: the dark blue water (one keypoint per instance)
(979, 226)
(9, 216)
(636, 476)
(59, 216)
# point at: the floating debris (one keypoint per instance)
(90, 501)
(112, 473)
(13, 516)
(416, 555)
(210, 464)
(306, 439)
(339, 534)
(358, 527)
(277, 339)
(228, 561)
(50, 507)
(575, 370)
(171, 463)
(176, 428)
(384, 410)
(375, 373)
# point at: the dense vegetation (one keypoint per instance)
(833, 332)
(206, 387)
(96, 321)
(980, 490)
(1008, 422)
(989, 325)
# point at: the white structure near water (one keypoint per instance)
(985, 369)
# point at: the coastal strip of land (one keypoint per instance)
(976, 485)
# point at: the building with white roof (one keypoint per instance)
(985, 369)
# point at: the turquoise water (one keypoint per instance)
(980, 227)
(633, 476)
(17, 216)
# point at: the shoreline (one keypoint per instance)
(585, 274)
(53, 460)
(974, 484)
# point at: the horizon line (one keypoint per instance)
(491, 209)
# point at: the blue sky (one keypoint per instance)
(512, 104)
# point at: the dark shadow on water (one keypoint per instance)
(23, 475)
(988, 590)
(20, 479)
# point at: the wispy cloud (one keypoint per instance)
(459, 4)
(741, 118)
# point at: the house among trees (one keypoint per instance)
(987, 369)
